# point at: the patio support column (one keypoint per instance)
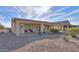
(62, 28)
(67, 28)
(17, 30)
(41, 28)
(22, 28)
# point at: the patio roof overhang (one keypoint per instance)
(40, 22)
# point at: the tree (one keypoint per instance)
(1, 26)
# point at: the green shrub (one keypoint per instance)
(54, 30)
(73, 31)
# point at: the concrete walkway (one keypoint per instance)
(9, 42)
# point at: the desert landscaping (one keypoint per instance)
(64, 43)
(49, 45)
(51, 42)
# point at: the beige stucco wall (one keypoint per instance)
(16, 27)
(58, 27)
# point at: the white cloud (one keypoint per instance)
(41, 10)
(67, 14)
(7, 24)
(3, 22)
(27, 10)
(1, 19)
(70, 18)
(72, 12)
(62, 9)
(54, 14)
(46, 9)
(51, 13)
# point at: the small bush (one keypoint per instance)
(73, 31)
(54, 30)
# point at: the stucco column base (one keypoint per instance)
(41, 28)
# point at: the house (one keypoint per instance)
(20, 26)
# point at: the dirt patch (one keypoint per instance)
(46, 45)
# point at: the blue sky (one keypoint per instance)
(43, 13)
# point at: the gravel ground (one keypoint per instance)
(9, 42)
(46, 45)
